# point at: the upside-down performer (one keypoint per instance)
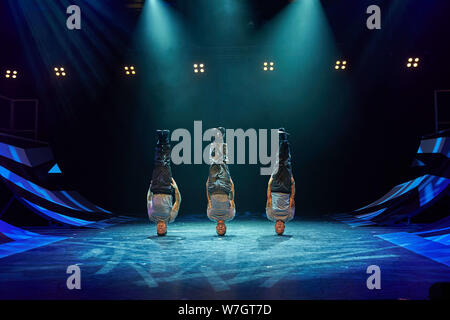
(220, 186)
(280, 205)
(160, 206)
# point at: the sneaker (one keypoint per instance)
(224, 152)
(161, 228)
(163, 137)
(221, 228)
(279, 227)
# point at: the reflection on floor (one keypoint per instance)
(15, 240)
(436, 248)
(316, 259)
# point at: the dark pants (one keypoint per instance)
(219, 179)
(162, 172)
(281, 179)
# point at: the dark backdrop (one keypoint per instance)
(354, 134)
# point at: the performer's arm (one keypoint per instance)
(232, 194)
(207, 194)
(176, 205)
(269, 194)
(291, 200)
(149, 197)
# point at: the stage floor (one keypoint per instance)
(315, 259)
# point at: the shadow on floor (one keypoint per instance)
(270, 241)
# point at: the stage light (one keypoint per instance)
(60, 71)
(130, 70)
(341, 65)
(413, 63)
(11, 74)
(269, 66)
(199, 67)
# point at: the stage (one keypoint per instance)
(315, 259)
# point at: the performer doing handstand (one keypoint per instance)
(161, 208)
(220, 186)
(280, 205)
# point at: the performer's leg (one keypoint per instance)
(162, 171)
